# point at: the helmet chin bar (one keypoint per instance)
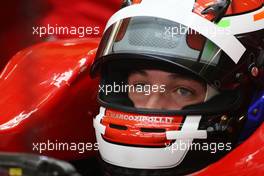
(154, 158)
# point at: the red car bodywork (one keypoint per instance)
(47, 95)
(19, 17)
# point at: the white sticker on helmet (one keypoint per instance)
(210, 92)
(189, 130)
(97, 121)
(173, 11)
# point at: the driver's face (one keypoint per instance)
(179, 90)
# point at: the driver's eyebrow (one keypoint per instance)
(181, 76)
(141, 72)
(186, 77)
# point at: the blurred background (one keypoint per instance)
(18, 17)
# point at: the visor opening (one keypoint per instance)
(119, 127)
(153, 130)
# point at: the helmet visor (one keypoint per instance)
(170, 41)
(141, 45)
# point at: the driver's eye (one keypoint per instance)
(183, 92)
(139, 85)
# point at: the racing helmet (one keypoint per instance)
(186, 38)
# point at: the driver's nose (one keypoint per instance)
(155, 101)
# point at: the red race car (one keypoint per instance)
(50, 95)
